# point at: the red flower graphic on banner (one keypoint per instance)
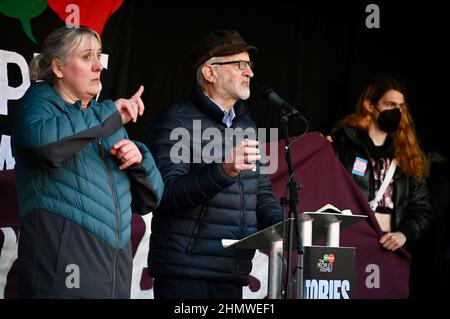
(93, 13)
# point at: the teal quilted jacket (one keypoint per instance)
(63, 165)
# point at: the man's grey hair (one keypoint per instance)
(199, 75)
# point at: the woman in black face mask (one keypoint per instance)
(379, 133)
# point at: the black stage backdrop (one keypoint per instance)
(316, 55)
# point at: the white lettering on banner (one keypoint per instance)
(104, 58)
(373, 277)
(7, 92)
(326, 289)
(140, 263)
(345, 287)
(8, 254)
(7, 160)
(260, 271)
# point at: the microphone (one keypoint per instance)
(274, 99)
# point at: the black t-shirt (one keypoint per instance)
(381, 158)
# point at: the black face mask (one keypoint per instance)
(388, 120)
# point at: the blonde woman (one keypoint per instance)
(79, 176)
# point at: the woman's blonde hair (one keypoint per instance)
(62, 43)
(410, 157)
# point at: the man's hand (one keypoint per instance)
(127, 152)
(393, 241)
(242, 157)
(131, 108)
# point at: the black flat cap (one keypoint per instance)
(220, 43)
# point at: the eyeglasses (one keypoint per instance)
(241, 64)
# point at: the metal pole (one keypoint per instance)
(275, 269)
(333, 235)
(306, 227)
(292, 201)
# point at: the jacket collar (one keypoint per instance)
(210, 109)
(363, 139)
(48, 92)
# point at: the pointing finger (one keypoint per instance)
(141, 107)
(138, 93)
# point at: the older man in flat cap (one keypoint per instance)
(206, 150)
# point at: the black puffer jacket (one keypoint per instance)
(410, 197)
(201, 204)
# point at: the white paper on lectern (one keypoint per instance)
(329, 208)
(228, 242)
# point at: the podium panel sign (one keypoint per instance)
(329, 272)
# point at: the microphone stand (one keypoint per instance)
(293, 231)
